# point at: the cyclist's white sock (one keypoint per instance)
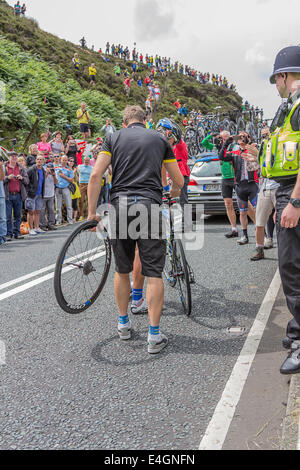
(124, 321)
(154, 334)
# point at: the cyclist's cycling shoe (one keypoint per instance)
(125, 333)
(155, 348)
(243, 241)
(232, 234)
(139, 308)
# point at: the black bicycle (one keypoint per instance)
(82, 268)
(177, 271)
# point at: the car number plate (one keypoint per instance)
(212, 187)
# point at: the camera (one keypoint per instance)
(218, 142)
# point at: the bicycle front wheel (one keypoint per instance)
(82, 268)
(183, 279)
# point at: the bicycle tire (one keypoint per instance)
(169, 265)
(67, 306)
(190, 140)
(240, 125)
(200, 136)
(184, 280)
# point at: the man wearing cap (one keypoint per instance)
(279, 159)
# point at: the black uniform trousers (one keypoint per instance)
(289, 261)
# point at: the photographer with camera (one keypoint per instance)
(84, 121)
(3, 228)
(227, 186)
(246, 186)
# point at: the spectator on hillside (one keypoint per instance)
(156, 93)
(33, 151)
(47, 215)
(183, 111)
(72, 149)
(92, 74)
(17, 8)
(35, 194)
(149, 124)
(76, 62)
(84, 121)
(57, 145)
(15, 182)
(127, 83)
(108, 129)
(177, 104)
(140, 83)
(148, 104)
(3, 227)
(23, 9)
(107, 48)
(84, 173)
(117, 70)
(64, 176)
(44, 147)
(83, 42)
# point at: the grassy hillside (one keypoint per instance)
(34, 64)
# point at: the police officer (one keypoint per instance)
(280, 161)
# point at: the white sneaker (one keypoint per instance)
(139, 308)
(269, 243)
(39, 230)
(32, 233)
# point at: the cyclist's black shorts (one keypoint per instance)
(149, 239)
(84, 128)
(227, 188)
(245, 192)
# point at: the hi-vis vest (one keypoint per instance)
(279, 156)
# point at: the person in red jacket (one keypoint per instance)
(181, 153)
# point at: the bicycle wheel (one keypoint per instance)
(250, 129)
(169, 265)
(190, 140)
(82, 268)
(240, 125)
(200, 136)
(183, 279)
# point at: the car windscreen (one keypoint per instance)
(207, 169)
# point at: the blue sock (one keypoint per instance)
(137, 295)
(123, 320)
(154, 330)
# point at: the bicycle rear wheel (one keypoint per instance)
(169, 268)
(190, 140)
(200, 136)
(183, 278)
(82, 268)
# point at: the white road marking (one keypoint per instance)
(43, 270)
(217, 429)
(35, 282)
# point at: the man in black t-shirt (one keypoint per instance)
(137, 156)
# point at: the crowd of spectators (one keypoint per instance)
(19, 9)
(47, 187)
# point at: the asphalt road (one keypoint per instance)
(69, 383)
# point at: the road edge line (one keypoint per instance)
(218, 427)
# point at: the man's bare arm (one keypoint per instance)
(94, 188)
(176, 177)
